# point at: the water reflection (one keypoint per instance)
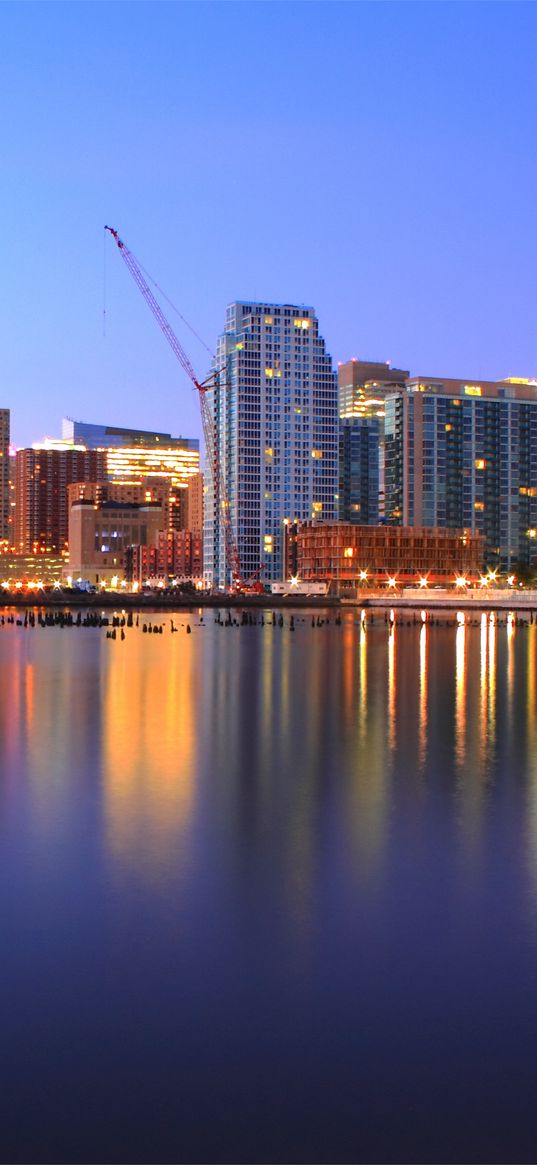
(392, 687)
(277, 728)
(309, 849)
(423, 697)
(491, 722)
(460, 696)
(148, 690)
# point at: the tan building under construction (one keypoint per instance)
(349, 554)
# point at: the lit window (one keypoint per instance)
(348, 552)
(480, 463)
(317, 454)
(472, 390)
(480, 506)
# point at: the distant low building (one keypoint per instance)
(178, 555)
(39, 569)
(100, 533)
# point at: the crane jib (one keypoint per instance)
(209, 431)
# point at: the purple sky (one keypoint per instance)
(375, 160)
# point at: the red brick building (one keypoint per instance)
(41, 503)
(178, 554)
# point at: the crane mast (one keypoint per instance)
(209, 430)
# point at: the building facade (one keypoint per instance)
(275, 408)
(178, 556)
(359, 477)
(6, 529)
(113, 436)
(101, 532)
(365, 384)
(363, 388)
(134, 457)
(355, 555)
(465, 454)
(194, 503)
(42, 475)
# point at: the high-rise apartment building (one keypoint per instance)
(359, 450)
(42, 475)
(5, 506)
(275, 408)
(464, 454)
(363, 388)
(364, 385)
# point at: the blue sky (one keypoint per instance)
(375, 160)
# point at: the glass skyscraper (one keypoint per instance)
(359, 477)
(275, 408)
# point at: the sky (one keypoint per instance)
(374, 160)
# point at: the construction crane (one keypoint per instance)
(209, 431)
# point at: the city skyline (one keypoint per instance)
(409, 224)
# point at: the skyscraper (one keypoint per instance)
(275, 408)
(464, 454)
(359, 449)
(363, 388)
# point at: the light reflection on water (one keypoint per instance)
(309, 856)
(148, 753)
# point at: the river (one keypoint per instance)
(269, 894)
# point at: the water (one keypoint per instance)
(268, 895)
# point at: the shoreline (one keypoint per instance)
(473, 601)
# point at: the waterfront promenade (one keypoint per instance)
(405, 598)
(448, 599)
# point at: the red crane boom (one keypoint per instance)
(209, 432)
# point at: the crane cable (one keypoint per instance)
(162, 293)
